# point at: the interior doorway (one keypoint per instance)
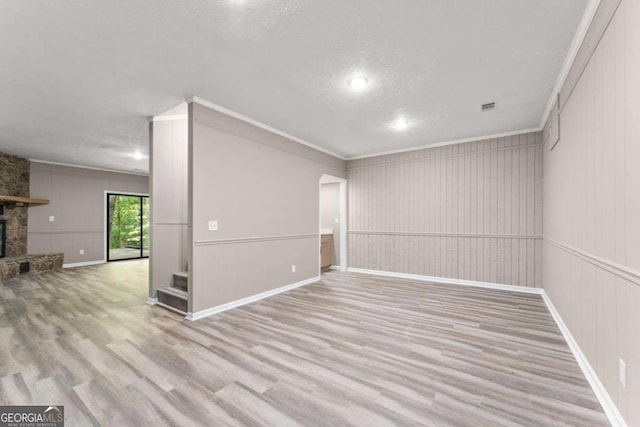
(333, 222)
(127, 228)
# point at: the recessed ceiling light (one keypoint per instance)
(138, 155)
(358, 83)
(400, 124)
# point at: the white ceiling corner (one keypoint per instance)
(576, 43)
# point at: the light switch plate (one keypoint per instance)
(213, 225)
(52, 218)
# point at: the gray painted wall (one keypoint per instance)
(76, 198)
(330, 211)
(469, 211)
(263, 190)
(169, 201)
(592, 209)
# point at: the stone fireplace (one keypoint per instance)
(14, 183)
(3, 238)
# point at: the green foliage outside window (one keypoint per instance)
(124, 222)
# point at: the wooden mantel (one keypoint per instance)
(22, 200)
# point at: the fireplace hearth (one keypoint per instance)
(14, 266)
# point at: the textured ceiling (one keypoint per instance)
(79, 79)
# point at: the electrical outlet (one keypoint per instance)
(293, 268)
(622, 372)
(52, 218)
(81, 251)
(213, 225)
(337, 220)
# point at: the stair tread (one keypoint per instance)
(184, 274)
(177, 292)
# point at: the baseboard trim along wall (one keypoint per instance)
(447, 281)
(609, 407)
(83, 264)
(233, 304)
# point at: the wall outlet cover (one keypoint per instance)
(52, 218)
(293, 268)
(213, 225)
(81, 251)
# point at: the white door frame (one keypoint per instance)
(329, 179)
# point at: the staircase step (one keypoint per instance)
(181, 280)
(173, 298)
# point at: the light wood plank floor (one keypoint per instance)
(350, 350)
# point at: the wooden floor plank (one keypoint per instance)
(348, 350)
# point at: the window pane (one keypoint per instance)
(125, 238)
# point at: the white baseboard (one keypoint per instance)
(83, 264)
(220, 308)
(608, 405)
(445, 280)
(152, 301)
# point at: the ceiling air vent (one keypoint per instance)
(488, 106)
